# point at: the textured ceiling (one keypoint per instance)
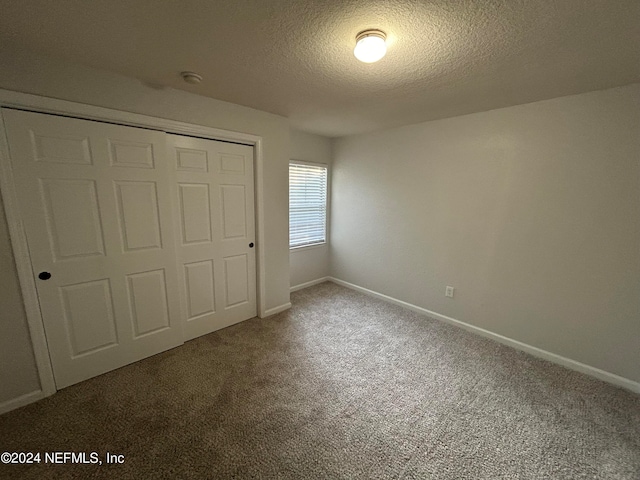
(295, 58)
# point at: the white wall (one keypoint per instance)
(531, 212)
(309, 263)
(54, 78)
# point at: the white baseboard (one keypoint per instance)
(278, 309)
(21, 401)
(535, 351)
(309, 284)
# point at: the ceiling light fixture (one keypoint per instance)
(370, 46)
(191, 77)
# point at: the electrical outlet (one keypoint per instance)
(448, 292)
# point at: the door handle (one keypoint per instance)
(44, 275)
(251, 245)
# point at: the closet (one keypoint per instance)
(138, 239)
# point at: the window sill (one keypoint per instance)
(307, 247)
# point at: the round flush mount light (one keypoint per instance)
(370, 46)
(191, 77)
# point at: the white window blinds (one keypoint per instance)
(307, 204)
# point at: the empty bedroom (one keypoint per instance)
(337, 239)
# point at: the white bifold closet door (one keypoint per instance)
(102, 208)
(215, 246)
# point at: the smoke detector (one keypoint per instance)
(191, 77)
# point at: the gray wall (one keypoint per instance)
(54, 78)
(309, 263)
(18, 373)
(531, 212)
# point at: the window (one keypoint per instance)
(307, 204)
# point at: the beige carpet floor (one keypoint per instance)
(340, 386)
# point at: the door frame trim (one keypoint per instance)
(40, 104)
